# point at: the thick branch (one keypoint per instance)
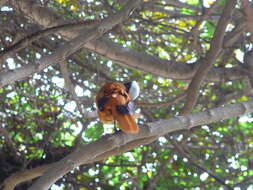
(121, 55)
(19, 177)
(2, 2)
(36, 35)
(248, 11)
(215, 49)
(114, 144)
(63, 52)
(248, 56)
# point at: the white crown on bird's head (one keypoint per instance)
(133, 89)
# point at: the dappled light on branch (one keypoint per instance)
(176, 110)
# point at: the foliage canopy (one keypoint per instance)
(44, 115)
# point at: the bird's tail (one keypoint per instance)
(122, 113)
(127, 123)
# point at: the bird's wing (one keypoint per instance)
(104, 108)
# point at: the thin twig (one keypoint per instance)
(160, 104)
(192, 159)
(36, 35)
(70, 88)
(195, 30)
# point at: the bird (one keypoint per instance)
(115, 103)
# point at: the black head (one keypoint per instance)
(128, 86)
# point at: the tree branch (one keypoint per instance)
(66, 50)
(120, 142)
(248, 56)
(159, 104)
(22, 176)
(160, 172)
(71, 89)
(2, 2)
(124, 56)
(36, 35)
(248, 11)
(193, 159)
(215, 49)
